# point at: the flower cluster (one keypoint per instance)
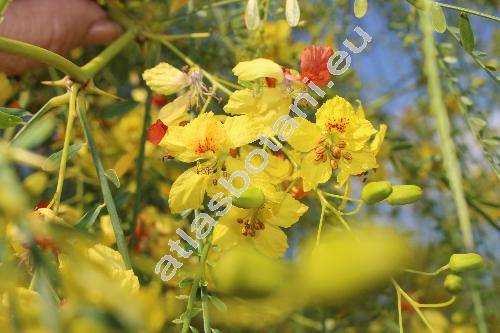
(265, 113)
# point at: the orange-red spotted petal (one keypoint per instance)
(313, 63)
(156, 132)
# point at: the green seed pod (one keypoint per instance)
(404, 194)
(454, 283)
(376, 191)
(465, 262)
(251, 198)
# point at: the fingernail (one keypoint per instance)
(103, 31)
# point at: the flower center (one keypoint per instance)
(207, 144)
(340, 125)
(250, 226)
(324, 149)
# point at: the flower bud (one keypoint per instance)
(243, 272)
(404, 194)
(165, 79)
(420, 4)
(465, 262)
(376, 191)
(454, 284)
(251, 198)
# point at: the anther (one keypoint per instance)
(347, 155)
(341, 144)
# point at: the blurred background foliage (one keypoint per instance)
(388, 77)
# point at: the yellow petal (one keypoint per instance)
(227, 232)
(258, 68)
(313, 172)
(188, 191)
(241, 130)
(378, 140)
(176, 111)
(165, 79)
(271, 241)
(361, 161)
(287, 212)
(305, 136)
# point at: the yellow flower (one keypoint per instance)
(265, 106)
(166, 79)
(261, 226)
(205, 138)
(258, 68)
(339, 140)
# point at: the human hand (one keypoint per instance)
(57, 25)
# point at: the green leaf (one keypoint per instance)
(252, 18)
(466, 33)
(15, 112)
(118, 109)
(52, 162)
(186, 282)
(218, 303)
(194, 329)
(490, 142)
(113, 177)
(292, 12)
(360, 8)
(477, 123)
(8, 120)
(90, 217)
(177, 321)
(438, 18)
(36, 134)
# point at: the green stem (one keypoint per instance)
(106, 192)
(64, 157)
(469, 11)
(204, 292)
(140, 160)
(189, 308)
(321, 219)
(450, 161)
(96, 64)
(436, 272)
(51, 104)
(476, 59)
(4, 4)
(42, 55)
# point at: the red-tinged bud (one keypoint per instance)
(41, 204)
(159, 100)
(15, 105)
(313, 63)
(156, 132)
(271, 82)
(233, 152)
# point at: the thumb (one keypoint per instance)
(102, 32)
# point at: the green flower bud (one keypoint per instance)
(404, 194)
(454, 283)
(465, 262)
(251, 198)
(376, 191)
(420, 4)
(243, 272)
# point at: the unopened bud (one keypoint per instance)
(251, 198)
(454, 283)
(376, 191)
(404, 194)
(465, 262)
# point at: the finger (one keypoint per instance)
(102, 32)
